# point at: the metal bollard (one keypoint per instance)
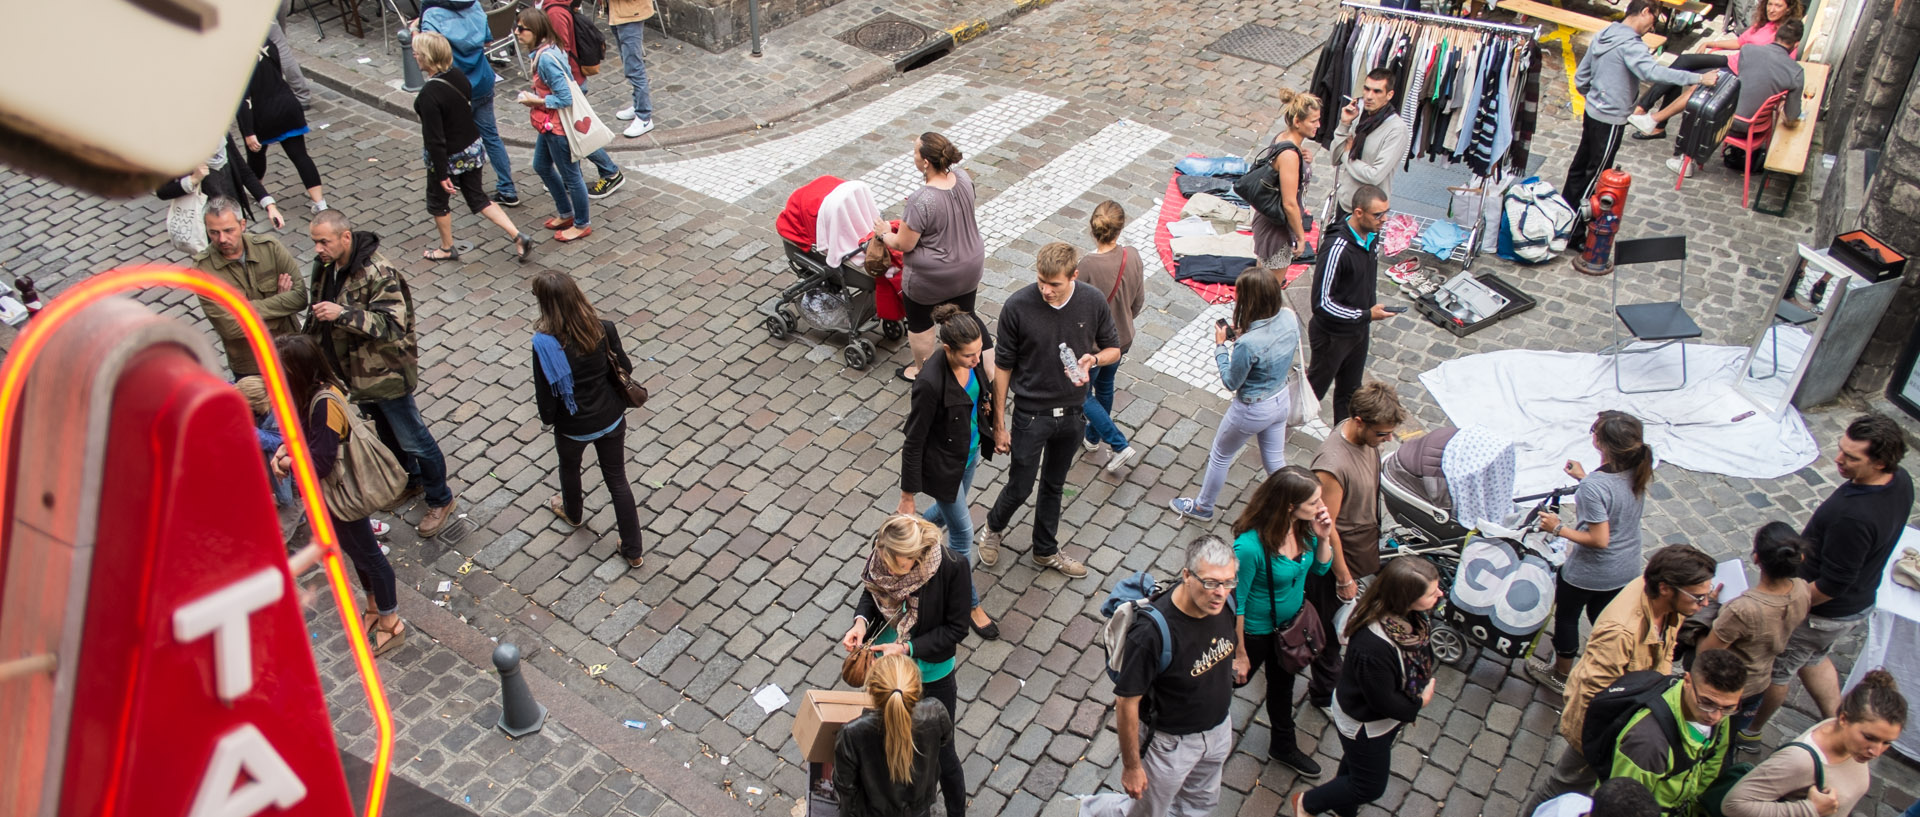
(520, 714)
(410, 79)
(753, 24)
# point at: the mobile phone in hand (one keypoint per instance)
(1232, 333)
(1394, 310)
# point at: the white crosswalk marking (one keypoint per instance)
(735, 175)
(1139, 236)
(891, 182)
(1041, 194)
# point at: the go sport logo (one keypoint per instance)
(1500, 597)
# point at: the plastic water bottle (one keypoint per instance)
(1072, 364)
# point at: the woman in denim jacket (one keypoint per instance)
(1255, 369)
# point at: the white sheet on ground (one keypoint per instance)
(1546, 402)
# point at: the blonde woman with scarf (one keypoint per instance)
(914, 585)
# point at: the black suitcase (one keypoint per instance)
(1710, 113)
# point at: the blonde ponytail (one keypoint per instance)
(894, 685)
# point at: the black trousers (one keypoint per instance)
(1568, 603)
(296, 148)
(1599, 142)
(1660, 95)
(375, 572)
(953, 779)
(1365, 765)
(1266, 660)
(1043, 445)
(611, 451)
(1337, 358)
(1325, 672)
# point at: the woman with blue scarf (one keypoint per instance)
(573, 350)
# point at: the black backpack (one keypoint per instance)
(1613, 707)
(589, 45)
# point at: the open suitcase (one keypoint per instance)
(1710, 113)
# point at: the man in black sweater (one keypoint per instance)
(1042, 327)
(1344, 301)
(1853, 533)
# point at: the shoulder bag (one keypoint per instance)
(1302, 639)
(186, 222)
(1260, 187)
(1301, 404)
(585, 131)
(634, 394)
(366, 477)
(853, 668)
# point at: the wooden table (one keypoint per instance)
(1792, 142)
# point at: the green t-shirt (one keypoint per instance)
(973, 417)
(1252, 595)
(929, 673)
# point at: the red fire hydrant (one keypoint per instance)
(1604, 211)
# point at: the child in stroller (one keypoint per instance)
(846, 287)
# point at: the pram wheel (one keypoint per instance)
(893, 330)
(777, 327)
(860, 354)
(1450, 645)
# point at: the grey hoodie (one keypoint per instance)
(1610, 74)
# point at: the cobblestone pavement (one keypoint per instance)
(764, 466)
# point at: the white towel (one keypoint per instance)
(847, 216)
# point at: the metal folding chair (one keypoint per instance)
(1663, 323)
(502, 42)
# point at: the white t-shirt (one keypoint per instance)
(1571, 804)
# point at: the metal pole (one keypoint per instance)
(753, 24)
(1369, 8)
(410, 79)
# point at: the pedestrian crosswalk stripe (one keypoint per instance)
(891, 182)
(1042, 193)
(735, 175)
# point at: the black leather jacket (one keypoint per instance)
(860, 776)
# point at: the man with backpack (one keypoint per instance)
(585, 47)
(1636, 632)
(1174, 675)
(1669, 734)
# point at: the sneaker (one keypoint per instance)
(1749, 742)
(640, 127)
(1296, 760)
(988, 546)
(1089, 446)
(318, 207)
(381, 528)
(505, 200)
(436, 519)
(1120, 459)
(625, 114)
(602, 188)
(1543, 674)
(1642, 122)
(1063, 563)
(1681, 167)
(1185, 507)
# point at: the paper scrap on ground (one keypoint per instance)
(445, 586)
(1731, 575)
(770, 697)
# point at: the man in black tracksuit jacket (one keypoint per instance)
(1344, 302)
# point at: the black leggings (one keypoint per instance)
(296, 148)
(1660, 94)
(1366, 764)
(1337, 359)
(1265, 658)
(611, 450)
(1568, 602)
(376, 573)
(953, 779)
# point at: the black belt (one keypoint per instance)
(1062, 411)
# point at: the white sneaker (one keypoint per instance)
(1089, 446)
(1675, 164)
(638, 128)
(624, 114)
(381, 528)
(1120, 458)
(1642, 122)
(318, 207)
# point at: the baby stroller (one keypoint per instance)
(825, 228)
(1449, 491)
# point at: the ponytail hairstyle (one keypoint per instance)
(938, 151)
(1271, 510)
(1296, 107)
(1876, 698)
(1256, 297)
(1778, 550)
(893, 683)
(1619, 436)
(1400, 584)
(954, 332)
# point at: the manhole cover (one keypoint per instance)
(887, 35)
(456, 531)
(1266, 44)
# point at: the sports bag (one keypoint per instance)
(1535, 222)
(1260, 187)
(1612, 708)
(366, 477)
(1132, 599)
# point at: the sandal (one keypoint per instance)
(558, 223)
(559, 509)
(441, 254)
(396, 636)
(522, 247)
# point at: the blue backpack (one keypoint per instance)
(1131, 598)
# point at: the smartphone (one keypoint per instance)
(1231, 332)
(1395, 310)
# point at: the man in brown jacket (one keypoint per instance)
(264, 272)
(628, 18)
(1635, 632)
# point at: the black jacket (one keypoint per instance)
(860, 776)
(1372, 685)
(1343, 282)
(946, 605)
(935, 454)
(269, 110)
(446, 119)
(593, 392)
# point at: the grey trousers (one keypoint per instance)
(1570, 773)
(1183, 777)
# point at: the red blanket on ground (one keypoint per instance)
(1170, 208)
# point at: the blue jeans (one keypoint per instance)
(561, 174)
(633, 62)
(958, 521)
(1913, 810)
(405, 432)
(496, 149)
(1099, 409)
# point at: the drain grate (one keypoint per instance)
(456, 530)
(887, 35)
(1267, 44)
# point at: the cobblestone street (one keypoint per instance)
(763, 467)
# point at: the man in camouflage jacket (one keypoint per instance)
(362, 316)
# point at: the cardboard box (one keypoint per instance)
(822, 713)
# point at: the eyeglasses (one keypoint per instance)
(1710, 708)
(523, 28)
(1212, 585)
(1698, 598)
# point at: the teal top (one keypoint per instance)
(1289, 576)
(973, 417)
(929, 673)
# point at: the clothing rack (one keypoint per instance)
(1460, 22)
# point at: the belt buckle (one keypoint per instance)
(1059, 411)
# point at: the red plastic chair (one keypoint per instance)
(1759, 133)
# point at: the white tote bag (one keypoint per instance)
(186, 222)
(1301, 405)
(585, 131)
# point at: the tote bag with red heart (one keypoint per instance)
(585, 131)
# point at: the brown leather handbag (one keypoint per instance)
(633, 393)
(853, 668)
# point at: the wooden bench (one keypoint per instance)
(1793, 142)
(1566, 23)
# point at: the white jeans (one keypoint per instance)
(1266, 420)
(1183, 777)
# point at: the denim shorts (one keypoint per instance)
(1811, 642)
